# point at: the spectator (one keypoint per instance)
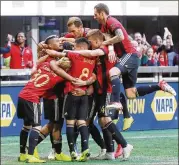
(156, 42)
(152, 57)
(166, 49)
(8, 48)
(21, 55)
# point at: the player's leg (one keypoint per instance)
(93, 130)
(81, 116)
(70, 108)
(107, 123)
(58, 121)
(21, 113)
(33, 116)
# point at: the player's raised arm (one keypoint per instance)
(90, 53)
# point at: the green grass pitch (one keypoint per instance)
(159, 147)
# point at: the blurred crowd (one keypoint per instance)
(159, 52)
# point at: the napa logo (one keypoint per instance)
(163, 106)
(8, 110)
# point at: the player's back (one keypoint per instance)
(81, 67)
(41, 81)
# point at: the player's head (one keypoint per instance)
(64, 63)
(95, 36)
(138, 37)
(101, 11)
(53, 42)
(82, 44)
(75, 26)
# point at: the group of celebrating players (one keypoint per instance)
(78, 77)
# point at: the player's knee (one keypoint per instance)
(114, 72)
(104, 121)
(81, 122)
(27, 127)
(130, 93)
(70, 122)
(38, 128)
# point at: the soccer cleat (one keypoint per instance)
(127, 123)
(74, 156)
(51, 155)
(22, 157)
(62, 157)
(127, 151)
(119, 151)
(102, 153)
(107, 156)
(114, 105)
(33, 159)
(84, 156)
(166, 87)
(36, 154)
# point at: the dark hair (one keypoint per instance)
(67, 46)
(102, 7)
(154, 40)
(16, 42)
(82, 40)
(49, 38)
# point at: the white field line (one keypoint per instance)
(134, 137)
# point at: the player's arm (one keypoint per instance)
(80, 92)
(42, 59)
(90, 53)
(88, 82)
(60, 72)
(119, 36)
(64, 39)
(54, 53)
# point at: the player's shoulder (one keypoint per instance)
(105, 49)
(69, 35)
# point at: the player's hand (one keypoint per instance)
(78, 92)
(112, 56)
(51, 52)
(79, 82)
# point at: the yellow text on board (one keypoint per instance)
(8, 110)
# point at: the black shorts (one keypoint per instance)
(100, 104)
(28, 111)
(128, 65)
(76, 107)
(53, 109)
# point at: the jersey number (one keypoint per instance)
(84, 74)
(38, 76)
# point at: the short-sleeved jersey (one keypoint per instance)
(70, 35)
(124, 46)
(100, 71)
(40, 83)
(81, 67)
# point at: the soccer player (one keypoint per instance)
(103, 94)
(28, 109)
(128, 64)
(82, 68)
